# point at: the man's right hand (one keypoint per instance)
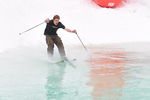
(47, 20)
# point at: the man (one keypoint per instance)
(53, 38)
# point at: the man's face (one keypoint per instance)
(56, 21)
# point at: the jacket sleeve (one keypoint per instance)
(62, 26)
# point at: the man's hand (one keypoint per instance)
(69, 30)
(47, 20)
(74, 31)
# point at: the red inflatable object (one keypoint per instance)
(108, 3)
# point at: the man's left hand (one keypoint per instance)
(74, 31)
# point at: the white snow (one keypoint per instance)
(95, 25)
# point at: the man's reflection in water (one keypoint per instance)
(54, 81)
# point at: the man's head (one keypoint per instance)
(56, 19)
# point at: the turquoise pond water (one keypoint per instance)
(107, 73)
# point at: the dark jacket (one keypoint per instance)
(51, 28)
